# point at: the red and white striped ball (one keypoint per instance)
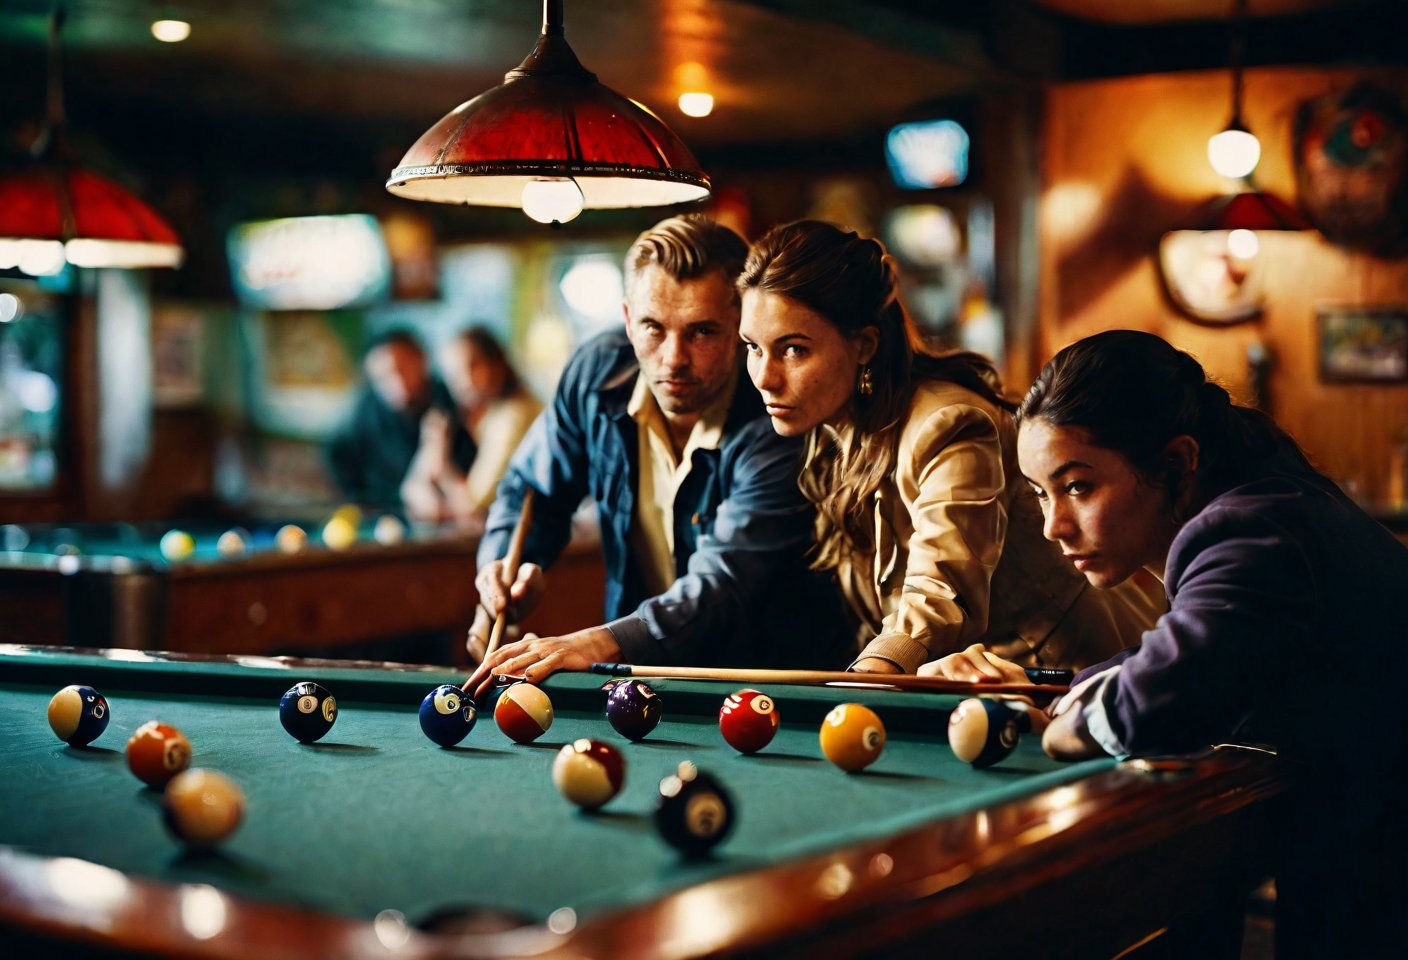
(523, 713)
(588, 772)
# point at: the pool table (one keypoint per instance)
(376, 842)
(107, 585)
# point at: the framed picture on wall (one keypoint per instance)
(1362, 344)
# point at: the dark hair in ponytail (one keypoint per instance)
(1131, 392)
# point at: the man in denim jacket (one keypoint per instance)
(704, 530)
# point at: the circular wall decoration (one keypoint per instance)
(1351, 158)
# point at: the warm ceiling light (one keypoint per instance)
(171, 31)
(52, 209)
(696, 104)
(552, 199)
(1235, 151)
(550, 121)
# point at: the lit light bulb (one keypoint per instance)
(696, 104)
(552, 199)
(171, 31)
(1243, 244)
(1234, 153)
(40, 258)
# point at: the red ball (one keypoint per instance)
(157, 752)
(749, 720)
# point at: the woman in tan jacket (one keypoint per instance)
(921, 512)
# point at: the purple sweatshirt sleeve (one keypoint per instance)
(1242, 597)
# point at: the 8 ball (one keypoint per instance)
(694, 812)
(307, 711)
(632, 708)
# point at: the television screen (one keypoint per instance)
(927, 154)
(309, 263)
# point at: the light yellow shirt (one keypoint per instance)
(661, 474)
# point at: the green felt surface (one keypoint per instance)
(377, 817)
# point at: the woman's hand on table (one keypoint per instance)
(534, 658)
(976, 664)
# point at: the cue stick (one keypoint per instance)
(511, 560)
(901, 681)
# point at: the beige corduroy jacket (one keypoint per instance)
(960, 558)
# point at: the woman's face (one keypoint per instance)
(1108, 519)
(471, 374)
(804, 367)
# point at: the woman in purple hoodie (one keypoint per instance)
(1288, 614)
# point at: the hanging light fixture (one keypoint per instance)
(1235, 151)
(52, 210)
(552, 140)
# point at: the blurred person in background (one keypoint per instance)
(494, 408)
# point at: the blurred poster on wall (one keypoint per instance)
(180, 333)
(304, 367)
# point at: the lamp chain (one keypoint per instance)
(1237, 53)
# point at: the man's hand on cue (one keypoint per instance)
(516, 600)
(534, 658)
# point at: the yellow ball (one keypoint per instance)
(177, 545)
(349, 512)
(339, 533)
(852, 736)
(291, 539)
(202, 807)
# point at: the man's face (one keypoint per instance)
(397, 373)
(685, 334)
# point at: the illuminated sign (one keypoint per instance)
(927, 154)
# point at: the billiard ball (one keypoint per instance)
(523, 713)
(694, 812)
(852, 736)
(202, 807)
(177, 545)
(339, 533)
(232, 543)
(388, 530)
(633, 708)
(588, 772)
(157, 752)
(985, 731)
(78, 715)
(307, 711)
(291, 538)
(749, 720)
(447, 714)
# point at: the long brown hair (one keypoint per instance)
(850, 281)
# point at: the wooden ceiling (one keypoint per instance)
(780, 70)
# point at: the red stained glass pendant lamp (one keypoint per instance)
(553, 140)
(53, 210)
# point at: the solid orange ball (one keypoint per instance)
(157, 752)
(852, 736)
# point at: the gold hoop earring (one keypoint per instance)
(866, 385)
